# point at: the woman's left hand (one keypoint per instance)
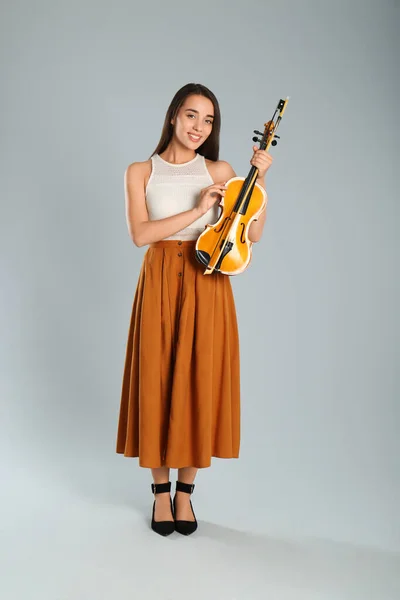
(262, 160)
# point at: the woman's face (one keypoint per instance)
(193, 122)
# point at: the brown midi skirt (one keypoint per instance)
(180, 399)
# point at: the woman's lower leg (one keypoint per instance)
(162, 511)
(183, 508)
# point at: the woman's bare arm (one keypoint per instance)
(141, 230)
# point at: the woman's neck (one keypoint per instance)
(177, 156)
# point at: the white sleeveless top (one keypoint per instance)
(172, 189)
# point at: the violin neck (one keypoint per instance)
(251, 174)
(246, 190)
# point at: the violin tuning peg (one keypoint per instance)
(274, 143)
(255, 139)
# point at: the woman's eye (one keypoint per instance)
(208, 120)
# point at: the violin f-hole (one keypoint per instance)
(222, 225)
(242, 238)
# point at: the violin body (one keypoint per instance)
(238, 252)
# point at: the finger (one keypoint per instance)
(217, 186)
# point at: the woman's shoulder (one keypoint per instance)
(220, 170)
(138, 169)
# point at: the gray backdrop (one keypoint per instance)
(85, 87)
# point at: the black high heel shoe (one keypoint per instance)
(185, 527)
(162, 527)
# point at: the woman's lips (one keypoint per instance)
(194, 138)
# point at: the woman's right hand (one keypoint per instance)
(209, 195)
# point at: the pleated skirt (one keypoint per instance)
(180, 398)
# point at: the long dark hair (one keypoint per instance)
(209, 148)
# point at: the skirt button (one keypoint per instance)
(180, 274)
(179, 243)
(179, 253)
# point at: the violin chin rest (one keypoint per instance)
(203, 257)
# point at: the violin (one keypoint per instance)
(225, 246)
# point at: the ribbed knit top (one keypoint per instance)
(175, 188)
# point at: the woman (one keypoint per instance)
(180, 399)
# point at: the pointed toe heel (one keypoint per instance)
(185, 527)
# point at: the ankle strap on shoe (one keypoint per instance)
(184, 487)
(160, 488)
